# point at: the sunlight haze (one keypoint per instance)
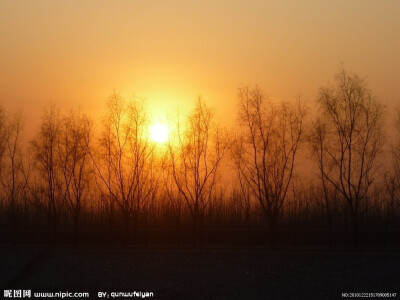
(76, 53)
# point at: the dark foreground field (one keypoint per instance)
(208, 273)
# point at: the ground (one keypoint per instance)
(206, 273)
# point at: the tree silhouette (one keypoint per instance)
(318, 138)
(195, 157)
(392, 177)
(396, 154)
(350, 138)
(45, 148)
(78, 178)
(15, 172)
(74, 147)
(266, 149)
(125, 159)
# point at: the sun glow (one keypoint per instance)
(159, 132)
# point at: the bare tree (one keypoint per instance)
(348, 139)
(124, 163)
(174, 199)
(266, 149)
(392, 178)
(318, 138)
(195, 156)
(75, 139)
(14, 178)
(396, 154)
(4, 134)
(104, 156)
(242, 195)
(45, 148)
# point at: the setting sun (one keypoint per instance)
(159, 133)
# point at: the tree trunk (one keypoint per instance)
(111, 225)
(195, 230)
(346, 227)
(53, 226)
(76, 226)
(54, 232)
(273, 231)
(178, 228)
(146, 229)
(14, 223)
(249, 231)
(135, 228)
(201, 229)
(355, 229)
(126, 230)
(330, 230)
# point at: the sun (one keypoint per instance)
(159, 132)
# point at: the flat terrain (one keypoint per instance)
(208, 273)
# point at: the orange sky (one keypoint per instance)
(75, 53)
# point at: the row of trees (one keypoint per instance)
(115, 173)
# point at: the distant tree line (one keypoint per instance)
(75, 178)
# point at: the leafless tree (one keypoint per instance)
(74, 159)
(396, 154)
(392, 177)
(266, 149)
(348, 140)
(15, 172)
(4, 134)
(242, 194)
(195, 156)
(103, 154)
(45, 148)
(125, 160)
(317, 139)
(174, 199)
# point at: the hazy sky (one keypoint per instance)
(75, 53)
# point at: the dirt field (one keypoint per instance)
(202, 273)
